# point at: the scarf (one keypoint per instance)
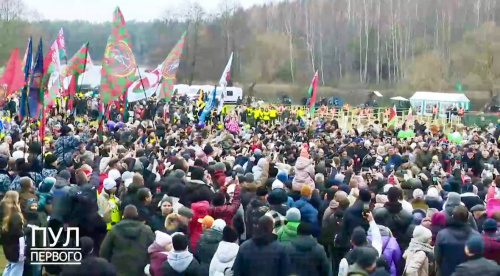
(420, 246)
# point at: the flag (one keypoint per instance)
(392, 117)
(61, 45)
(169, 69)
(119, 67)
(28, 56)
(312, 94)
(100, 119)
(35, 91)
(223, 82)
(12, 78)
(210, 104)
(409, 118)
(52, 63)
(52, 92)
(145, 87)
(78, 63)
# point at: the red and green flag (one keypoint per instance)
(61, 45)
(12, 78)
(312, 94)
(78, 63)
(169, 69)
(392, 117)
(53, 77)
(51, 62)
(118, 67)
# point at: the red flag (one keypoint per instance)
(71, 92)
(13, 76)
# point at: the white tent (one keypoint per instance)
(423, 102)
(399, 98)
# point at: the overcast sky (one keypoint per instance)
(101, 10)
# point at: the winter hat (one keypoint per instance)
(257, 152)
(422, 234)
(418, 216)
(358, 236)
(364, 195)
(50, 158)
(418, 194)
(304, 153)
(277, 185)
(305, 190)
(185, 212)
(47, 185)
(282, 176)
(277, 197)
(109, 183)
(219, 225)
(475, 244)
(432, 192)
(208, 150)
(162, 239)
(249, 177)
(438, 219)
(453, 199)
(239, 170)
(229, 234)
(293, 214)
(387, 187)
(178, 173)
(114, 174)
(220, 166)
(393, 194)
(381, 198)
(490, 225)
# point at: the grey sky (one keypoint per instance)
(101, 10)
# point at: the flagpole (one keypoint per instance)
(142, 84)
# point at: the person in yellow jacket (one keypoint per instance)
(249, 118)
(300, 113)
(256, 115)
(273, 114)
(266, 116)
(108, 203)
(223, 113)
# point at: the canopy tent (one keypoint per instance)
(423, 102)
(399, 98)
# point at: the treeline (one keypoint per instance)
(407, 44)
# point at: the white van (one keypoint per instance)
(193, 92)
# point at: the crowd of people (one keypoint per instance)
(167, 195)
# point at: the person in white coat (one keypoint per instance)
(223, 260)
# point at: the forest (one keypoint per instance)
(388, 44)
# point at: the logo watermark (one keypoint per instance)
(47, 253)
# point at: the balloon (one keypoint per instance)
(406, 133)
(110, 124)
(457, 137)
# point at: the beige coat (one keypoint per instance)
(417, 263)
(104, 205)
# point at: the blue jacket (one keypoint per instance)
(449, 246)
(395, 160)
(308, 214)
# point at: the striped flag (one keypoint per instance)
(312, 94)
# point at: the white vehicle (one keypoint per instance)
(193, 92)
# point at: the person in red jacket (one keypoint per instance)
(219, 176)
(220, 209)
(491, 240)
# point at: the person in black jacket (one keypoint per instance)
(395, 218)
(262, 255)
(196, 189)
(307, 257)
(476, 264)
(255, 210)
(353, 216)
(144, 198)
(181, 261)
(12, 235)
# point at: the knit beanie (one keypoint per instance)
(358, 236)
(418, 194)
(490, 225)
(475, 244)
(453, 199)
(282, 177)
(305, 190)
(422, 234)
(293, 214)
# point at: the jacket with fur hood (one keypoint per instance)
(304, 174)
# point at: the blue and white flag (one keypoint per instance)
(209, 105)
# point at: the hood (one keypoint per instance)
(200, 209)
(290, 229)
(304, 243)
(130, 229)
(211, 236)
(384, 231)
(302, 163)
(179, 261)
(459, 230)
(60, 183)
(227, 251)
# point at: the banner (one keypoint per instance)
(210, 104)
(150, 81)
(223, 82)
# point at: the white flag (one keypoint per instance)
(223, 82)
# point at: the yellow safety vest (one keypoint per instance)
(256, 114)
(273, 113)
(266, 115)
(224, 110)
(300, 113)
(114, 214)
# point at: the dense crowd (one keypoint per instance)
(163, 194)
